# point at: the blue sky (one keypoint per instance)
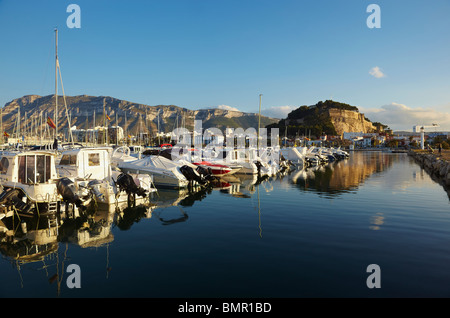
(204, 53)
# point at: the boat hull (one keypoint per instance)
(216, 169)
(160, 180)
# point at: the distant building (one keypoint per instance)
(360, 134)
(362, 139)
(352, 135)
(99, 134)
(441, 134)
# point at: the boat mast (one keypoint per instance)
(40, 125)
(1, 129)
(56, 84)
(126, 128)
(259, 118)
(104, 122)
(18, 124)
(86, 137)
(93, 132)
(159, 138)
(140, 129)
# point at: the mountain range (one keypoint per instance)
(133, 117)
(329, 117)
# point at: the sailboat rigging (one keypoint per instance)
(58, 71)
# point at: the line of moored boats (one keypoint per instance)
(45, 181)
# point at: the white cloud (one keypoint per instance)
(226, 107)
(401, 117)
(376, 72)
(278, 111)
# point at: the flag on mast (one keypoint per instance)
(51, 123)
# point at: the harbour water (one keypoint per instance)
(309, 233)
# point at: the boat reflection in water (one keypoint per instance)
(36, 239)
(242, 186)
(32, 239)
(342, 176)
(29, 240)
(44, 240)
(337, 178)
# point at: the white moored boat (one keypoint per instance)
(294, 155)
(90, 168)
(237, 158)
(165, 173)
(217, 170)
(29, 182)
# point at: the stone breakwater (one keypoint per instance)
(437, 167)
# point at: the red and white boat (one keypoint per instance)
(216, 169)
(220, 185)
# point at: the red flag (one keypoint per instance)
(5, 134)
(51, 123)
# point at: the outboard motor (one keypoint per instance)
(192, 175)
(258, 166)
(331, 158)
(127, 184)
(66, 188)
(14, 197)
(94, 186)
(206, 173)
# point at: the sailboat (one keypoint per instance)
(28, 179)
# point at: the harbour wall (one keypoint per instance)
(436, 166)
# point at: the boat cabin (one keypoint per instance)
(86, 163)
(32, 171)
(27, 167)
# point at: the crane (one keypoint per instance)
(422, 133)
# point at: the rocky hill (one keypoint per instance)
(329, 117)
(133, 117)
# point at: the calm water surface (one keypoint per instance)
(309, 233)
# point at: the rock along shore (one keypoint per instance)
(436, 166)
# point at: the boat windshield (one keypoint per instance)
(68, 160)
(34, 169)
(4, 164)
